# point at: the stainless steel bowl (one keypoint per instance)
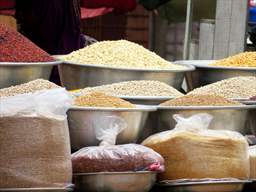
(82, 122)
(53, 189)
(18, 73)
(224, 117)
(76, 76)
(203, 186)
(151, 123)
(115, 181)
(205, 74)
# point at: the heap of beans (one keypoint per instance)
(97, 99)
(136, 88)
(241, 87)
(246, 59)
(30, 87)
(200, 100)
(120, 54)
(14, 47)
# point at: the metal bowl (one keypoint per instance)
(49, 189)
(82, 122)
(205, 74)
(232, 118)
(76, 76)
(18, 73)
(203, 186)
(115, 181)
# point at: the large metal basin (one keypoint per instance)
(232, 118)
(83, 121)
(205, 74)
(18, 73)
(115, 182)
(231, 185)
(77, 76)
(49, 189)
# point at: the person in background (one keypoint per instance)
(54, 25)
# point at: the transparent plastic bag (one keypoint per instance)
(109, 157)
(52, 102)
(191, 149)
(116, 158)
(34, 140)
(107, 128)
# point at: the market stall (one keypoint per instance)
(122, 123)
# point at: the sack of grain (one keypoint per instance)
(34, 140)
(191, 151)
(252, 152)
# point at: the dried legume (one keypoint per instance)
(14, 47)
(30, 87)
(246, 59)
(120, 54)
(200, 100)
(136, 88)
(234, 88)
(97, 99)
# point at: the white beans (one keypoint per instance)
(136, 88)
(120, 54)
(29, 87)
(234, 88)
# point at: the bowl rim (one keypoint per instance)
(35, 189)
(230, 181)
(11, 64)
(189, 68)
(238, 107)
(139, 108)
(115, 173)
(205, 65)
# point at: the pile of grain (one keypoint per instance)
(236, 87)
(136, 88)
(97, 99)
(246, 59)
(14, 47)
(200, 100)
(30, 87)
(120, 54)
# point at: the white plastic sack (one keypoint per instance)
(53, 102)
(107, 129)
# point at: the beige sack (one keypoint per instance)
(252, 152)
(34, 141)
(191, 151)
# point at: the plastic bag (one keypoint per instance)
(192, 151)
(199, 124)
(107, 128)
(34, 140)
(109, 157)
(52, 102)
(116, 158)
